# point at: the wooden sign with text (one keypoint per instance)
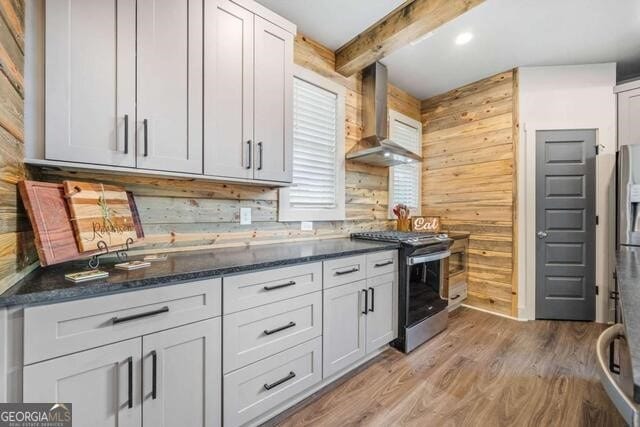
(99, 213)
(425, 223)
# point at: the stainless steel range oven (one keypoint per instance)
(423, 277)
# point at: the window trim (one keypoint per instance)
(397, 116)
(285, 211)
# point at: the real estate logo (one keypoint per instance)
(35, 415)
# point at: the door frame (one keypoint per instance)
(605, 209)
(590, 277)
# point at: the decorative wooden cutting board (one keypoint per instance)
(51, 221)
(99, 213)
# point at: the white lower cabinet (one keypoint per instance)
(168, 378)
(359, 318)
(343, 326)
(182, 376)
(102, 384)
(161, 357)
(382, 311)
(254, 390)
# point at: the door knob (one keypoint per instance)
(541, 234)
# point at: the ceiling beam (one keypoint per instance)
(402, 26)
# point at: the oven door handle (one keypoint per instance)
(428, 258)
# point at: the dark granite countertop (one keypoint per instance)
(628, 278)
(48, 285)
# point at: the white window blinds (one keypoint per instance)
(314, 146)
(317, 191)
(404, 180)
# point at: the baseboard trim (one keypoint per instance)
(493, 313)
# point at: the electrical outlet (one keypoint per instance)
(306, 226)
(245, 216)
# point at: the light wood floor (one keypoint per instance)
(483, 370)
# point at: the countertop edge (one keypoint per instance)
(101, 288)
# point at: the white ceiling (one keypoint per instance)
(332, 22)
(512, 33)
(507, 34)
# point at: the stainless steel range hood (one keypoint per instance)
(375, 148)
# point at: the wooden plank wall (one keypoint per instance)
(190, 215)
(16, 240)
(469, 181)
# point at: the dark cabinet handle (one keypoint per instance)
(260, 155)
(117, 320)
(353, 270)
(613, 366)
(280, 381)
(373, 296)
(126, 134)
(383, 264)
(366, 301)
(284, 285)
(154, 374)
(250, 154)
(456, 297)
(281, 328)
(145, 122)
(130, 377)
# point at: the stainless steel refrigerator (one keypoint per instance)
(629, 195)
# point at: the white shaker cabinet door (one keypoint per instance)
(228, 86)
(103, 384)
(90, 74)
(381, 314)
(182, 376)
(273, 102)
(628, 113)
(169, 117)
(343, 327)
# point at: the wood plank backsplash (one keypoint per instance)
(469, 181)
(16, 239)
(183, 215)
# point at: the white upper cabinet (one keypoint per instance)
(175, 86)
(228, 81)
(248, 129)
(90, 103)
(273, 104)
(628, 112)
(169, 124)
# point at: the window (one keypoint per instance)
(404, 180)
(317, 191)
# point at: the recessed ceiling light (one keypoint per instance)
(421, 38)
(463, 38)
(387, 154)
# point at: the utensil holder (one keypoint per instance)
(403, 224)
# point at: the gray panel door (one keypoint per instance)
(565, 224)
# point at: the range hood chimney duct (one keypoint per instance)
(375, 148)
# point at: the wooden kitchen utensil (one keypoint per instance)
(50, 219)
(99, 213)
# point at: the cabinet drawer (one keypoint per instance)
(58, 329)
(260, 332)
(344, 270)
(457, 293)
(251, 391)
(379, 263)
(263, 287)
